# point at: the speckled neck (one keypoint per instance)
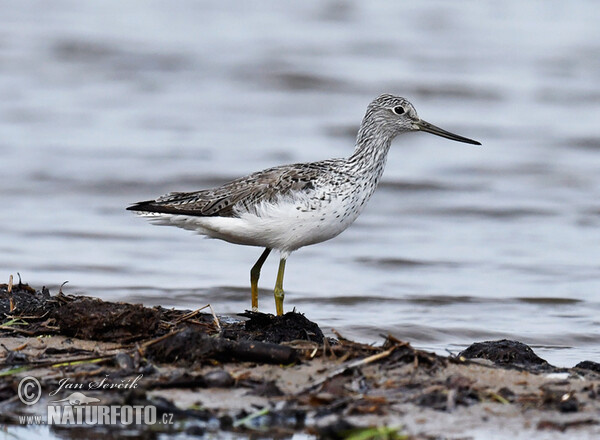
(372, 146)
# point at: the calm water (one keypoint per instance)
(106, 103)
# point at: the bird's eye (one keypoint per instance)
(398, 110)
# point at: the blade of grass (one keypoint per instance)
(251, 417)
(377, 433)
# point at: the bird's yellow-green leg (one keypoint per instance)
(279, 288)
(255, 275)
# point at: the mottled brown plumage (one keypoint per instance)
(245, 192)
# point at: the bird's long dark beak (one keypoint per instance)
(430, 128)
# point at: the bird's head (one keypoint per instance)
(392, 115)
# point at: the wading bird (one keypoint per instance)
(290, 206)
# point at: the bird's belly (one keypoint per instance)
(291, 225)
(286, 226)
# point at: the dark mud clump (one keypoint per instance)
(169, 335)
(276, 329)
(506, 353)
(589, 365)
(192, 345)
(25, 300)
(89, 318)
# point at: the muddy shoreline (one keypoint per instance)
(255, 375)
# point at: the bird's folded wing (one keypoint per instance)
(246, 192)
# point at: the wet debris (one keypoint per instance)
(14, 357)
(507, 394)
(276, 329)
(219, 379)
(564, 401)
(21, 299)
(457, 390)
(589, 365)
(124, 361)
(275, 375)
(34, 313)
(506, 353)
(265, 389)
(337, 429)
(404, 353)
(553, 425)
(89, 318)
(282, 420)
(192, 345)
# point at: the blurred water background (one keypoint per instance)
(104, 103)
